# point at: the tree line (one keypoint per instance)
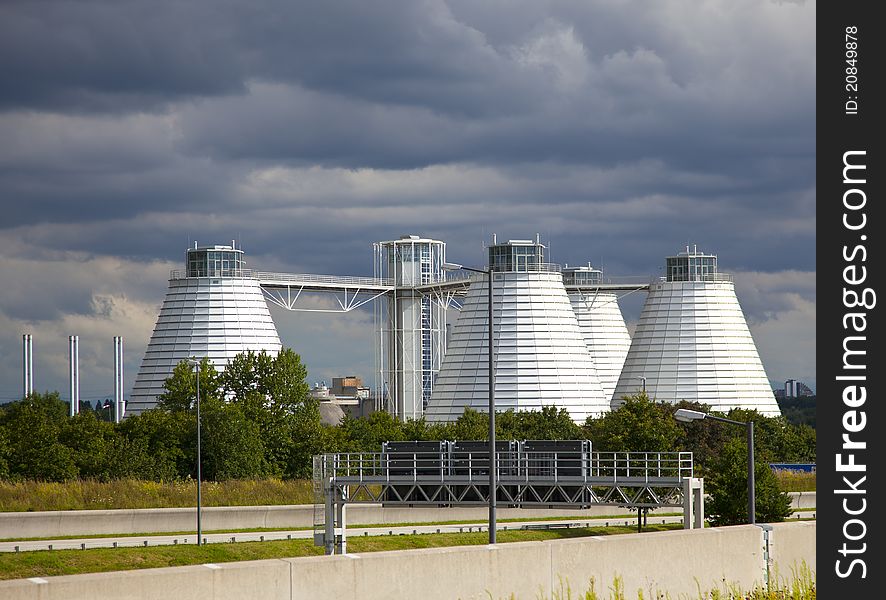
(259, 420)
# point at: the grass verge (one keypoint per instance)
(130, 493)
(86, 494)
(621, 517)
(20, 565)
(795, 481)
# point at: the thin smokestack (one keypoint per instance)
(74, 355)
(27, 365)
(119, 403)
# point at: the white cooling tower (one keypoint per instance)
(540, 356)
(692, 342)
(601, 323)
(214, 309)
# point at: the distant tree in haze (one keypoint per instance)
(798, 411)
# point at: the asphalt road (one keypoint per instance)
(219, 538)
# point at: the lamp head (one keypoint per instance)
(686, 415)
(448, 266)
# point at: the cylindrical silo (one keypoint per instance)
(412, 325)
(601, 323)
(539, 353)
(213, 309)
(692, 342)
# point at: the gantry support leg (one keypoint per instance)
(698, 501)
(341, 531)
(329, 517)
(693, 503)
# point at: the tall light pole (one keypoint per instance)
(491, 378)
(193, 361)
(686, 415)
(643, 379)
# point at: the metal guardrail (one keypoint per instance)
(708, 277)
(293, 278)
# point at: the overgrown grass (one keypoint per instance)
(801, 586)
(795, 481)
(18, 565)
(129, 493)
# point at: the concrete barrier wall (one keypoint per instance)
(160, 520)
(673, 562)
(264, 579)
(802, 499)
(791, 545)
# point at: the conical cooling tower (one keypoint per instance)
(601, 323)
(540, 357)
(214, 309)
(692, 342)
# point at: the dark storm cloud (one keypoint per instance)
(619, 132)
(130, 55)
(110, 56)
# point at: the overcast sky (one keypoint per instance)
(620, 131)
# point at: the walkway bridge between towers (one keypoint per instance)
(529, 474)
(286, 289)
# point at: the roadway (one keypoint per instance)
(352, 532)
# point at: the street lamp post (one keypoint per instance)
(643, 379)
(196, 363)
(491, 378)
(686, 415)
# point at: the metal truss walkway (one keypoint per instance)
(285, 289)
(565, 479)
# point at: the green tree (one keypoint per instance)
(97, 448)
(32, 427)
(262, 383)
(181, 386)
(163, 438)
(367, 435)
(471, 425)
(273, 394)
(306, 436)
(231, 445)
(287, 386)
(4, 452)
(549, 423)
(704, 439)
(727, 484)
(638, 425)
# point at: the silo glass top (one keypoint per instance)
(517, 255)
(691, 265)
(582, 276)
(215, 261)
